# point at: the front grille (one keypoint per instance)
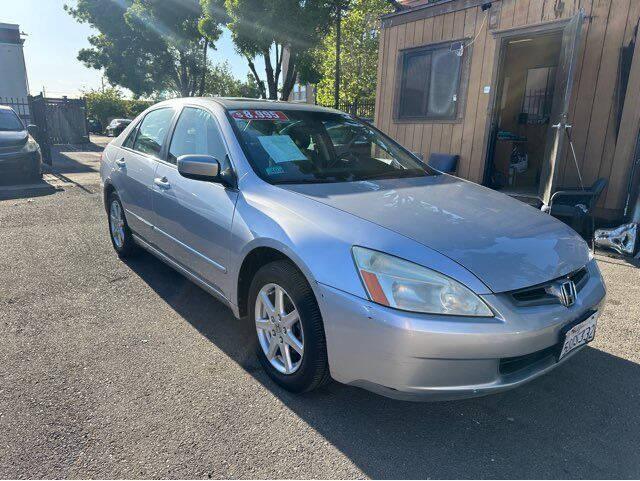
(509, 365)
(539, 295)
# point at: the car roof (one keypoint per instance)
(6, 107)
(239, 103)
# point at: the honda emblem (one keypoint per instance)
(568, 293)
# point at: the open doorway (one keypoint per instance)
(522, 113)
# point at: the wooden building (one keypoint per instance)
(506, 84)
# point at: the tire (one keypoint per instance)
(121, 237)
(312, 369)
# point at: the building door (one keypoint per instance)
(557, 133)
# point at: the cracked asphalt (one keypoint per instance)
(127, 370)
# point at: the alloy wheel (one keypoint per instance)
(279, 329)
(116, 224)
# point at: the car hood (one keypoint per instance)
(13, 138)
(504, 242)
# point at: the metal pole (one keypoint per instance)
(336, 86)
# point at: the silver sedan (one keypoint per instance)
(353, 260)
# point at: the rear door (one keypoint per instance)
(136, 164)
(193, 217)
(557, 134)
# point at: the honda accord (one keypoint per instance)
(351, 258)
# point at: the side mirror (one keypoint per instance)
(199, 167)
(32, 129)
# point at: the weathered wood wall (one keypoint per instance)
(600, 151)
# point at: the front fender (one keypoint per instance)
(319, 238)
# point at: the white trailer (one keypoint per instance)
(14, 85)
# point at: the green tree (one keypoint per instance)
(360, 30)
(106, 104)
(110, 103)
(266, 28)
(220, 82)
(148, 46)
(136, 106)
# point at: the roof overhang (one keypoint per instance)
(426, 10)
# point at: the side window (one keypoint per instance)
(152, 131)
(128, 143)
(197, 133)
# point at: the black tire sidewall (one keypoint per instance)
(128, 246)
(287, 276)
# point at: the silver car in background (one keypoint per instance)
(352, 259)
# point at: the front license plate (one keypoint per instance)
(579, 335)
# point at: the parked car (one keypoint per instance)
(95, 126)
(19, 152)
(116, 126)
(361, 265)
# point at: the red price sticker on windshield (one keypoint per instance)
(258, 115)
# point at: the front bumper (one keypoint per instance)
(20, 162)
(429, 357)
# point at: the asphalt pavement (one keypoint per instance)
(127, 370)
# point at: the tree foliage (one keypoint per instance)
(359, 56)
(148, 46)
(266, 28)
(105, 105)
(110, 103)
(220, 82)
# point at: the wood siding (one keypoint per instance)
(601, 151)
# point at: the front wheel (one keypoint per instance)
(291, 345)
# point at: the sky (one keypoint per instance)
(53, 39)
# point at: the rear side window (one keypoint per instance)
(128, 143)
(152, 131)
(197, 133)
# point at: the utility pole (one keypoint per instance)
(336, 85)
(204, 66)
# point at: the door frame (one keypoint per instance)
(502, 38)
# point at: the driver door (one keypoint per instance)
(193, 217)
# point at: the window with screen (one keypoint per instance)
(197, 133)
(430, 83)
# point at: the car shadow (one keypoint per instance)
(16, 187)
(64, 163)
(580, 421)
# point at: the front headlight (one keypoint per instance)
(401, 284)
(30, 146)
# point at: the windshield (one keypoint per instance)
(310, 147)
(9, 121)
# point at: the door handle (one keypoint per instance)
(162, 182)
(121, 163)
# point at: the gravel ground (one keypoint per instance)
(127, 370)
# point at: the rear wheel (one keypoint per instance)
(291, 345)
(119, 231)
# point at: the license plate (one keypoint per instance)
(579, 335)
